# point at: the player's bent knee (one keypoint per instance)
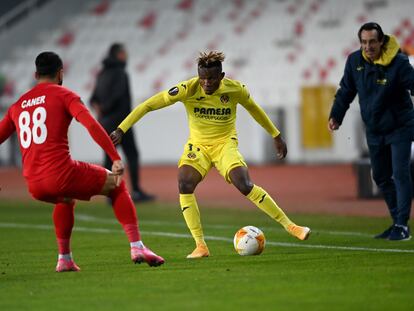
(239, 177)
(244, 186)
(186, 186)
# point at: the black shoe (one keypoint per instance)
(140, 196)
(385, 235)
(400, 233)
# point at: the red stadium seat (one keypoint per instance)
(66, 39)
(148, 21)
(185, 5)
(101, 8)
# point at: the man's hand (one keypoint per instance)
(116, 136)
(118, 170)
(333, 125)
(280, 146)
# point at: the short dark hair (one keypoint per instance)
(48, 64)
(114, 49)
(371, 26)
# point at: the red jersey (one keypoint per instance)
(41, 118)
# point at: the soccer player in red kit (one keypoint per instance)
(41, 118)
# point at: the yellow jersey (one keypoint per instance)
(211, 118)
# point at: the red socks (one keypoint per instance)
(63, 218)
(124, 210)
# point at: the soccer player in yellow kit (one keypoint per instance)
(210, 101)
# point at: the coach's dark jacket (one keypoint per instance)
(384, 90)
(112, 93)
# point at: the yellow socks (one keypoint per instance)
(191, 215)
(265, 202)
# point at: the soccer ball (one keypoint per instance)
(249, 240)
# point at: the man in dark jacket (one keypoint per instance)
(111, 100)
(383, 79)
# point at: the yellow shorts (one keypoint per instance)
(223, 156)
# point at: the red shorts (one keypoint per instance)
(78, 180)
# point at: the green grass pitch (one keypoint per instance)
(341, 267)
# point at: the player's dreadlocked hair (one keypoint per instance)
(210, 59)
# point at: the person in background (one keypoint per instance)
(383, 79)
(111, 100)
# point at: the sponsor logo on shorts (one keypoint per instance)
(224, 99)
(191, 155)
(173, 91)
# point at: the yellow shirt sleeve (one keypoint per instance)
(257, 113)
(158, 101)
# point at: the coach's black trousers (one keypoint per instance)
(391, 172)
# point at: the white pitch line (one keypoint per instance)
(89, 218)
(215, 238)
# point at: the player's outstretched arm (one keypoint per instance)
(263, 119)
(257, 112)
(96, 131)
(158, 101)
(280, 146)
